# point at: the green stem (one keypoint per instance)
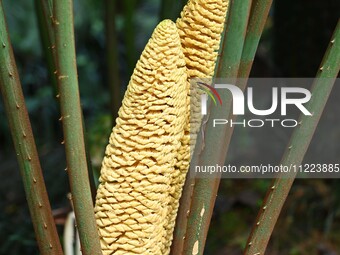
(296, 148)
(44, 11)
(90, 169)
(185, 201)
(112, 57)
(44, 14)
(233, 40)
(36, 193)
(73, 127)
(213, 148)
(257, 20)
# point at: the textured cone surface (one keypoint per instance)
(200, 27)
(133, 198)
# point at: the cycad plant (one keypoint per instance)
(146, 201)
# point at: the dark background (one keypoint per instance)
(295, 38)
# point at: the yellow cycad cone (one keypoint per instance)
(132, 203)
(200, 27)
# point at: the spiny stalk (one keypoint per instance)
(27, 155)
(73, 127)
(296, 148)
(257, 20)
(205, 190)
(200, 27)
(44, 11)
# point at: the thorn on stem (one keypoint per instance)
(195, 248)
(3, 45)
(202, 212)
(62, 77)
(69, 196)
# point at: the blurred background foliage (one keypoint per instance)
(295, 38)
